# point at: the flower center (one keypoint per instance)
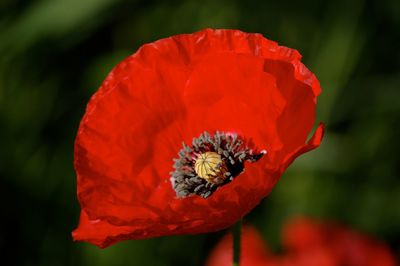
(211, 162)
(210, 167)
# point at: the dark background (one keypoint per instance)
(54, 55)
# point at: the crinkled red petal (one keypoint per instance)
(169, 92)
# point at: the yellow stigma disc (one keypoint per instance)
(210, 167)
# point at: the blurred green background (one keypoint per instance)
(54, 55)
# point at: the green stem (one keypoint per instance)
(236, 232)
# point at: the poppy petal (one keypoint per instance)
(313, 143)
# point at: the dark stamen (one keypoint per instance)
(218, 160)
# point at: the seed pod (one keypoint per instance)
(211, 167)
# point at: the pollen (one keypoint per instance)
(211, 167)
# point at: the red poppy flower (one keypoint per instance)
(336, 244)
(229, 96)
(307, 243)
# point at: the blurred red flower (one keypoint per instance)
(174, 90)
(254, 251)
(307, 243)
(334, 244)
